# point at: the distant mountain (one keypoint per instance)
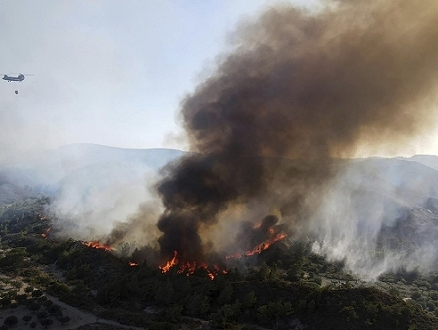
(429, 160)
(400, 182)
(54, 166)
(11, 192)
(405, 181)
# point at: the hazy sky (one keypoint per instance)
(112, 72)
(107, 72)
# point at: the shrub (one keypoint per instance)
(11, 321)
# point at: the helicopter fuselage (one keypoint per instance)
(9, 78)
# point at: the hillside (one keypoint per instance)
(11, 192)
(285, 287)
(289, 285)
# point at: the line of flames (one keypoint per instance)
(190, 267)
(259, 248)
(98, 245)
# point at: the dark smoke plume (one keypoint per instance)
(298, 85)
(251, 236)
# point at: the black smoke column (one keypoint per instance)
(309, 86)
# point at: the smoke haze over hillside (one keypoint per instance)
(297, 92)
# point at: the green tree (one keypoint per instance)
(11, 321)
(27, 318)
(14, 305)
(197, 304)
(274, 311)
(393, 291)
(42, 315)
(164, 294)
(12, 294)
(81, 290)
(34, 306)
(249, 300)
(37, 293)
(171, 314)
(14, 258)
(264, 272)
(224, 318)
(226, 294)
(21, 298)
(48, 303)
(46, 323)
(294, 272)
(124, 250)
(138, 256)
(83, 271)
(64, 319)
(53, 309)
(317, 280)
(28, 289)
(5, 301)
(350, 313)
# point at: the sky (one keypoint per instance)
(108, 72)
(114, 72)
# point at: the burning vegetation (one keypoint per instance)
(253, 239)
(46, 233)
(189, 268)
(98, 245)
(259, 248)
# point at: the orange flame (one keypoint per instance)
(265, 245)
(46, 233)
(259, 248)
(169, 264)
(190, 267)
(98, 245)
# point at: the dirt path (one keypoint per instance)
(83, 318)
(78, 317)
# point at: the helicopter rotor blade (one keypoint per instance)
(17, 73)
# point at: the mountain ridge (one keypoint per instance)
(412, 176)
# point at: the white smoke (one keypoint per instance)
(359, 218)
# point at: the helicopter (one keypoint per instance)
(20, 77)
